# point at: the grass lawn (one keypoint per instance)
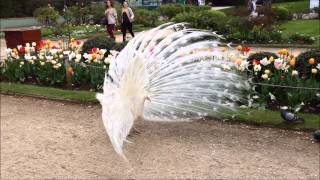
(309, 27)
(249, 116)
(48, 92)
(299, 6)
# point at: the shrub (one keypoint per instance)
(301, 39)
(169, 11)
(46, 13)
(97, 12)
(213, 20)
(304, 64)
(281, 13)
(146, 17)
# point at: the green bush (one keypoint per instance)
(146, 17)
(97, 12)
(301, 39)
(76, 15)
(46, 13)
(213, 20)
(281, 13)
(169, 11)
(303, 65)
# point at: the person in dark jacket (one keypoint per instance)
(126, 20)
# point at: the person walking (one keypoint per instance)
(126, 20)
(111, 15)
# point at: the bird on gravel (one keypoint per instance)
(169, 73)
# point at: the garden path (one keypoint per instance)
(49, 139)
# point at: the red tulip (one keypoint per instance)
(22, 49)
(245, 49)
(42, 42)
(255, 62)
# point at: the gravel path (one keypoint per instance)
(49, 139)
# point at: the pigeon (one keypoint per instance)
(316, 135)
(290, 117)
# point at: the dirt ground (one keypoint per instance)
(49, 139)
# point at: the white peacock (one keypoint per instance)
(169, 73)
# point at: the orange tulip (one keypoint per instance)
(293, 62)
(312, 61)
(94, 56)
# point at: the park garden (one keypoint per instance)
(246, 75)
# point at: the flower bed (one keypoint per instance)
(279, 80)
(284, 80)
(48, 64)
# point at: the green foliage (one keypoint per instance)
(97, 12)
(298, 6)
(16, 72)
(207, 19)
(305, 27)
(299, 38)
(77, 15)
(47, 75)
(46, 13)
(92, 75)
(281, 13)
(146, 17)
(169, 11)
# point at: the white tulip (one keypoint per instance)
(27, 57)
(265, 61)
(34, 44)
(257, 67)
(295, 73)
(53, 62)
(314, 71)
(8, 51)
(66, 52)
(265, 76)
(49, 57)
